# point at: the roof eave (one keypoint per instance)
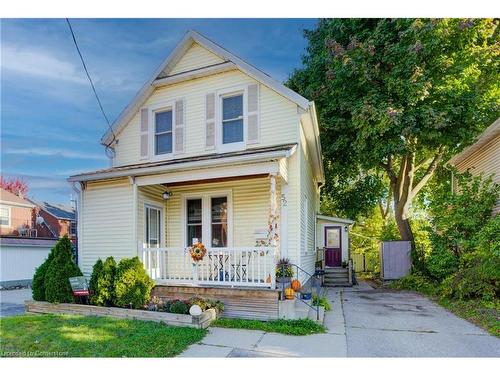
(144, 171)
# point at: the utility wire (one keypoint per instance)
(92, 84)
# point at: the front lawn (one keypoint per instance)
(79, 336)
(299, 327)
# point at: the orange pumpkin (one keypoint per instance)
(295, 285)
(289, 293)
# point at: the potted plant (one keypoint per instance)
(284, 271)
(344, 264)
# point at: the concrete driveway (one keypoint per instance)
(12, 301)
(384, 323)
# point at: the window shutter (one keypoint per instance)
(179, 126)
(144, 133)
(210, 121)
(253, 131)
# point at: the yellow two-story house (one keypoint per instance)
(211, 150)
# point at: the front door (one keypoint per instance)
(333, 246)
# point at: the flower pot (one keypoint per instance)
(306, 296)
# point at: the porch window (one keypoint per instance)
(232, 119)
(163, 132)
(194, 221)
(153, 226)
(219, 221)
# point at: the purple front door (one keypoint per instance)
(333, 246)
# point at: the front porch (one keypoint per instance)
(234, 267)
(236, 218)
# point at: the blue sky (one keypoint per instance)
(50, 121)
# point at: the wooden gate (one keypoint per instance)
(395, 259)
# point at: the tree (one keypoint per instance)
(396, 97)
(38, 285)
(15, 185)
(60, 269)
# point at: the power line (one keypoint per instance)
(92, 84)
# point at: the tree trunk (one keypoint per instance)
(404, 189)
(404, 228)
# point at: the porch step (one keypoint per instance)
(336, 270)
(336, 277)
(336, 285)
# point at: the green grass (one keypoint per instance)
(79, 336)
(299, 327)
(485, 315)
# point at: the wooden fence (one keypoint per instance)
(395, 259)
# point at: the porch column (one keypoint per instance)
(284, 219)
(134, 216)
(274, 232)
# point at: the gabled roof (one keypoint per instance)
(59, 211)
(167, 65)
(488, 135)
(7, 197)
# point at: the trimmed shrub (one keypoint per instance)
(103, 283)
(132, 284)
(60, 269)
(179, 307)
(96, 273)
(38, 285)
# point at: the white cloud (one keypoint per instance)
(40, 64)
(55, 152)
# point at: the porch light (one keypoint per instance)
(166, 195)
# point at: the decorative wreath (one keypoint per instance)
(197, 251)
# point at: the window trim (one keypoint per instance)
(206, 215)
(161, 240)
(153, 110)
(9, 210)
(227, 93)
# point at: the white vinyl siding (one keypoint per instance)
(486, 160)
(107, 223)
(310, 201)
(277, 116)
(195, 57)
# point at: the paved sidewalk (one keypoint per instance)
(224, 342)
(12, 301)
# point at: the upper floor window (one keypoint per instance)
(232, 119)
(4, 216)
(163, 132)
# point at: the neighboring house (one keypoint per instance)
(55, 220)
(212, 150)
(16, 215)
(482, 157)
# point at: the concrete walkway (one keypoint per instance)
(12, 301)
(365, 322)
(224, 342)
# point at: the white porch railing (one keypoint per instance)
(235, 266)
